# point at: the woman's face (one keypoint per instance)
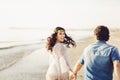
(60, 36)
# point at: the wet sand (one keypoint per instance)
(23, 63)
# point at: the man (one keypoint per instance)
(99, 59)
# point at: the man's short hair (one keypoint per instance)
(102, 33)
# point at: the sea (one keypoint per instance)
(16, 37)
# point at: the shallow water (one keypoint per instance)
(32, 64)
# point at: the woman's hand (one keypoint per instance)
(72, 76)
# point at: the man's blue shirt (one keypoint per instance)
(98, 61)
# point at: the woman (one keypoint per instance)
(59, 68)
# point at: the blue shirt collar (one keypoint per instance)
(101, 41)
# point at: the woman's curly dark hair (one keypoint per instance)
(102, 33)
(52, 39)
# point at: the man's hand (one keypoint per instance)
(72, 75)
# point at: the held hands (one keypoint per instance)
(72, 76)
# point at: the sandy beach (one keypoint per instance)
(31, 63)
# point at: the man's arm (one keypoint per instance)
(117, 68)
(77, 67)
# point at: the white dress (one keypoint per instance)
(58, 64)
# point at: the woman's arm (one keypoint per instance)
(61, 52)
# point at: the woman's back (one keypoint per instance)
(58, 64)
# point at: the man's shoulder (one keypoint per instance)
(111, 46)
(92, 45)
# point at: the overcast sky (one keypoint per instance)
(65, 13)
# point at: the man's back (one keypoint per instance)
(98, 61)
